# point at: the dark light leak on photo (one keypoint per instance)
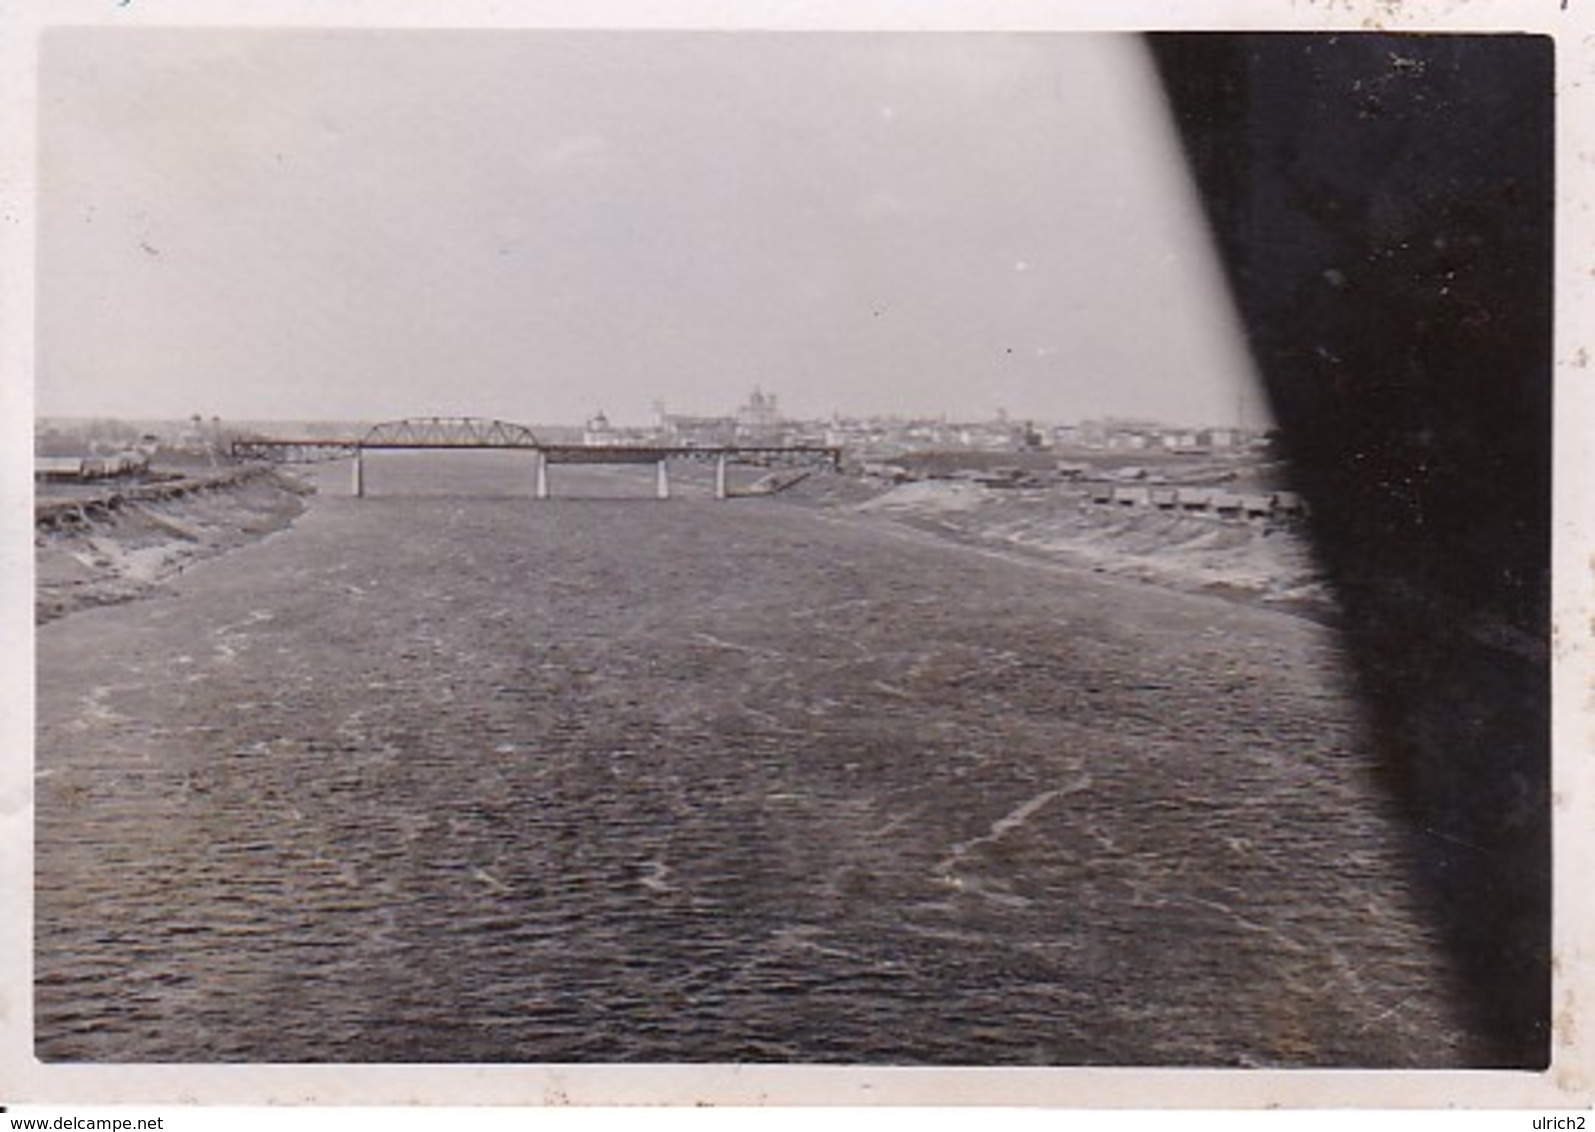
(1384, 206)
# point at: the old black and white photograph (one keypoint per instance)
(812, 547)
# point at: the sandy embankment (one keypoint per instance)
(124, 542)
(1265, 562)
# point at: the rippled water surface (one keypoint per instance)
(451, 774)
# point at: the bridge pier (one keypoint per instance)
(720, 477)
(662, 480)
(540, 474)
(357, 480)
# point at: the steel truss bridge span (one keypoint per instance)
(484, 433)
(449, 432)
(412, 432)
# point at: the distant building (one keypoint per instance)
(682, 429)
(1092, 434)
(90, 467)
(760, 417)
(57, 467)
(598, 431)
(988, 437)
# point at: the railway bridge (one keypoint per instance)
(480, 433)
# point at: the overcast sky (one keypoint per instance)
(537, 225)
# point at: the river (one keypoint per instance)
(451, 774)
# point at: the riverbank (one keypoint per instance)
(470, 777)
(124, 542)
(1268, 563)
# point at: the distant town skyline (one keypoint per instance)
(80, 420)
(537, 226)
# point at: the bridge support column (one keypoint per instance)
(540, 474)
(662, 480)
(357, 477)
(720, 477)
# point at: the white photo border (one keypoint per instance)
(1567, 1084)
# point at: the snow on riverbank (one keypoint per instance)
(1270, 562)
(124, 543)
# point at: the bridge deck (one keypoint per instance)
(267, 447)
(652, 454)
